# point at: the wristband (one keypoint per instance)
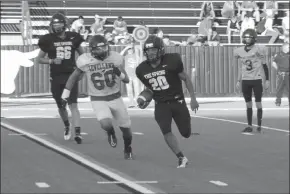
(65, 94)
(122, 76)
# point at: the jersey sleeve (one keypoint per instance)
(78, 39)
(236, 53)
(118, 59)
(81, 62)
(179, 63)
(43, 43)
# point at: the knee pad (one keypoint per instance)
(107, 124)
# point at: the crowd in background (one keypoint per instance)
(241, 16)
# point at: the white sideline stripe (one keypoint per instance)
(138, 109)
(117, 182)
(82, 160)
(219, 183)
(237, 122)
(138, 133)
(42, 185)
(17, 134)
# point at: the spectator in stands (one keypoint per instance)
(98, 26)
(207, 16)
(193, 39)
(269, 31)
(109, 37)
(229, 9)
(270, 9)
(158, 32)
(79, 27)
(120, 26)
(252, 7)
(285, 27)
(247, 23)
(233, 27)
(214, 37)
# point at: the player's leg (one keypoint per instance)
(72, 102)
(105, 117)
(182, 119)
(258, 92)
(279, 89)
(247, 88)
(56, 90)
(120, 114)
(163, 117)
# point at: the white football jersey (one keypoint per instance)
(102, 82)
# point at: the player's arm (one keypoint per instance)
(188, 83)
(73, 78)
(274, 64)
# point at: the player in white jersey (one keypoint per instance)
(104, 69)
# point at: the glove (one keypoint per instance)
(64, 97)
(117, 71)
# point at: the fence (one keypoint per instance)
(213, 70)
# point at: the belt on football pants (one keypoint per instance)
(179, 100)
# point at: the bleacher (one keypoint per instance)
(175, 18)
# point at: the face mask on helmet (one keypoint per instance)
(58, 27)
(100, 51)
(152, 54)
(248, 40)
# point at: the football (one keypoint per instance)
(144, 98)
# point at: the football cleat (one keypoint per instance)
(112, 139)
(128, 153)
(259, 129)
(182, 162)
(248, 130)
(67, 133)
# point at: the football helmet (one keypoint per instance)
(99, 47)
(154, 48)
(58, 23)
(249, 37)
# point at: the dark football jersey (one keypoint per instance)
(64, 49)
(163, 80)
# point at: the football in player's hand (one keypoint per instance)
(144, 98)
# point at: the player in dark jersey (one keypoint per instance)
(60, 46)
(163, 75)
(253, 62)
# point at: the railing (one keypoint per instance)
(213, 70)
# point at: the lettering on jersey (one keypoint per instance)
(63, 49)
(154, 74)
(100, 66)
(157, 80)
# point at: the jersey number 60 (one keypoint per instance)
(159, 83)
(100, 84)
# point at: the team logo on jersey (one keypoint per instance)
(149, 45)
(11, 60)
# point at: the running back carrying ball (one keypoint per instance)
(144, 98)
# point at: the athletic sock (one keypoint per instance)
(259, 116)
(249, 116)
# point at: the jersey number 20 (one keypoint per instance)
(63, 52)
(159, 83)
(100, 84)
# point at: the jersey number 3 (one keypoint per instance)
(159, 83)
(63, 52)
(100, 84)
(249, 65)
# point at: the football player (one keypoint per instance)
(253, 62)
(61, 46)
(163, 75)
(104, 69)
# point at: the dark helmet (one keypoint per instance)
(58, 23)
(249, 37)
(99, 47)
(154, 48)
